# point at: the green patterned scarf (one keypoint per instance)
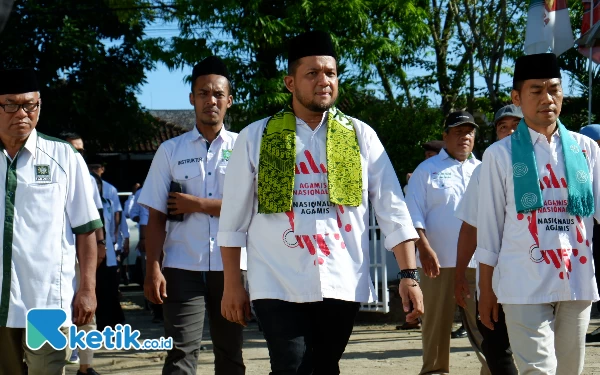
(528, 195)
(276, 167)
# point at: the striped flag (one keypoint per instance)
(586, 25)
(548, 27)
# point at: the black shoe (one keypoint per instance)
(459, 333)
(90, 371)
(593, 337)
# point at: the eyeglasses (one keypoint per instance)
(14, 108)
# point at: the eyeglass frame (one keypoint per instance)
(19, 106)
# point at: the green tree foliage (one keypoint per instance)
(91, 59)
(252, 35)
(378, 41)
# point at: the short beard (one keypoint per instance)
(209, 123)
(313, 106)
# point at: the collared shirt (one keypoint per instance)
(110, 192)
(467, 208)
(137, 210)
(123, 233)
(109, 226)
(319, 249)
(96, 194)
(545, 255)
(434, 190)
(47, 198)
(190, 244)
(128, 205)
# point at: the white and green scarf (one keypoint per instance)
(528, 194)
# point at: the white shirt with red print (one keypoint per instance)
(319, 249)
(542, 256)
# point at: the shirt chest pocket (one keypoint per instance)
(42, 204)
(442, 190)
(187, 171)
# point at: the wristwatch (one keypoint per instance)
(409, 274)
(101, 242)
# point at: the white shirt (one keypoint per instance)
(318, 250)
(47, 199)
(434, 190)
(191, 244)
(544, 256)
(467, 208)
(96, 194)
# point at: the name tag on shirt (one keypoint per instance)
(42, 173)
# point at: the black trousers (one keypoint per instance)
(306, 338)
(496, 346)
(108, 310)
(191, 294)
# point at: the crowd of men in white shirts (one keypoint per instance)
(274, 220)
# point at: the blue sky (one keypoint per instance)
(168, 90)
(165, 89)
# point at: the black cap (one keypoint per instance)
(210, 65)
(311, 43)
(435, 146)
(460, 118)
(18, 81)
(538, 66)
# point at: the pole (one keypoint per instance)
(591, 67)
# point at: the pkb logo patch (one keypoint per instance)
(226, 154)
(42, 173)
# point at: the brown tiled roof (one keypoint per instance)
(165, 131)
(185, 118)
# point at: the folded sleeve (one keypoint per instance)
(467, 208)
(96, 193)
(386, 197)
(238, 193)
(155, 191)
(492, 206)
(416, 196)
(80, 207)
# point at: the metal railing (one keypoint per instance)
(378, 269)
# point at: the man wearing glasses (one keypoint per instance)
(48, 219)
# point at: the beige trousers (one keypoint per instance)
(438, 298)
(548, 338)
(44, 361)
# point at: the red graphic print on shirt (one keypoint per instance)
(546, 219)
(301, 167)
(323, 243)
(311, 243)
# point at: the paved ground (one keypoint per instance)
(373, 350)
